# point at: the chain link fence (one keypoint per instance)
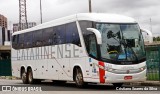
(153, 62)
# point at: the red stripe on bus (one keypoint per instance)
(101, 73)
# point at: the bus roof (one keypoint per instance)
(96, 17)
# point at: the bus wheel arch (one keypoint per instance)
(31, 79)
(78, 77)
(74, 71)
(21, 71)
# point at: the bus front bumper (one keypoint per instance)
(122, 78)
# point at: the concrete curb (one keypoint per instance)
(9, 77)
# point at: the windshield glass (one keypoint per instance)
(121, 42)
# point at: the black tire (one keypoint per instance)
(30, 76)
(117, 84)
(24, 77)
(78, 77)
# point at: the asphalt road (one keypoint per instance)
(48, 87)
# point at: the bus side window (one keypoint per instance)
(72, 35)
(28, 40)
(84, 25)
(47, 37)
(33, 39)
(53, 35)
(92, 46)
(14, 41)
(17, 46)
(37, 38)
(25, 40)
(89, 38)
(60, 34)
(21, 41)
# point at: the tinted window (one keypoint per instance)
(21, 41)
(48, 36)
(28, 40)
(37, 38)
(60, 34)
(14, 41)
(72, 35)
(54, 36)
(84, 25)
(17, 46)
(92, 50)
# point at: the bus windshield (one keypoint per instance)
(121, 42)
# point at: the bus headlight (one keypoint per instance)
(142, 68)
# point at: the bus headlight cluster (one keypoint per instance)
(142, 68)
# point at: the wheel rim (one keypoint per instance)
(79, 78)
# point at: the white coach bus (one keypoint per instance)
(85, 48)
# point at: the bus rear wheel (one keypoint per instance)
(30, 76)
(24, 77)
(78, 77)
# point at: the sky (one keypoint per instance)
(145, 12)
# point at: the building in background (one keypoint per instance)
(5, 36)
(16, 26)
(4, 32)
(5, 48)
(3, 21)
(1, 37)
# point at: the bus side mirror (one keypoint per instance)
(149, 33)
(97, 33)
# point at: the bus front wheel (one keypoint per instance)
(79, 78)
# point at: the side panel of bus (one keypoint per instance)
(55, 62)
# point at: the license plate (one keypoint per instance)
(127, 77)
